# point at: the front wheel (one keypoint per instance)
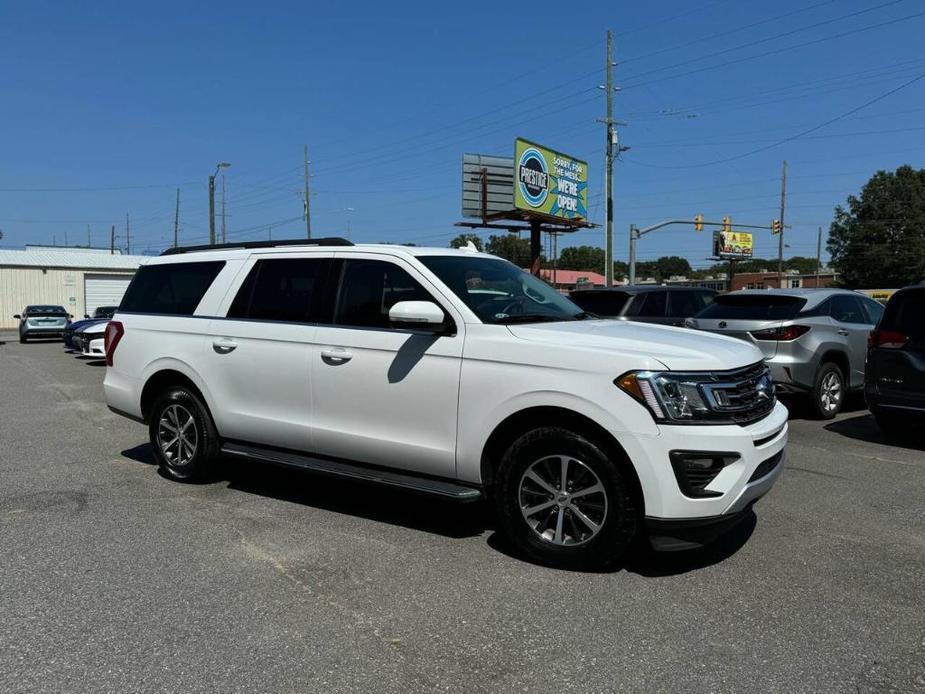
(828, 393)
(183, 437)
(563, 502)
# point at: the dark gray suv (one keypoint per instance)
(814, 340)
(644, 303)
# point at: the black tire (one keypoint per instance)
(178, 406)
(538, 450)
(826, 402)
(22, 339)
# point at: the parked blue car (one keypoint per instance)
(102, 313)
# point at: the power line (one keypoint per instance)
(796, 136)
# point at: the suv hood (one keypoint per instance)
(679, 349)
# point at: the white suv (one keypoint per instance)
(449, 372)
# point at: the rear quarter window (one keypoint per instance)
(171, 289)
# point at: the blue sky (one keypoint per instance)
(108, 107)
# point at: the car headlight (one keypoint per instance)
(670, 397)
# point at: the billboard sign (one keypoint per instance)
(488, 185)
(548, 182)
(732, 244)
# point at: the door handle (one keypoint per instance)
(223, 345)
(335, 355)
(842, 331)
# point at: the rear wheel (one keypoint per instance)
(562, 502)
(183, 437)
(828, 393)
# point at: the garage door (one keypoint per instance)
(104, 290)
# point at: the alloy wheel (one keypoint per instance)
(562, 500)
(177, 435)
(830, 392)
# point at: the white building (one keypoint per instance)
(79, 279)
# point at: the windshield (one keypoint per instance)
(46, 311)
(753, 307)
(499, 292)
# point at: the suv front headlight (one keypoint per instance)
(670, 397)
(740, 396)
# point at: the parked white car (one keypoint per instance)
(448, 372)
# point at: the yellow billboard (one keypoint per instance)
(732, 244)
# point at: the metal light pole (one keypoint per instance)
(218, 167)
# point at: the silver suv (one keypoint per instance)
(814, 340)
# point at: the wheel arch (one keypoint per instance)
(162, 379)
(840, 359)
(541, 416)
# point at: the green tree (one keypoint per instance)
(510, 247)
(878, 240)
(461, 240)
(589, 258)
(669, 265)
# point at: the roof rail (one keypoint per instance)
(325, 241)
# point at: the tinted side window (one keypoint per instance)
(369, 288)
(174, 289)
(653, 306)
(686, 304)
(282, 289)
(846, 309)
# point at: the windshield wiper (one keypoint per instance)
(584, 315)
(531, 318)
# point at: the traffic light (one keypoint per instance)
(775, 226)
(698, 222)
(727, 224)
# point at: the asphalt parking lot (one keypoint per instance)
(115, 580)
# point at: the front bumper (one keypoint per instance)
(735, 488)
(677, 535)
(42, 332)
(94, 348)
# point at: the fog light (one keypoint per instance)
(694, 470)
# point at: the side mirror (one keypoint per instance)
(17, 317)
(70, 315)
(417, 314)
(85, 316)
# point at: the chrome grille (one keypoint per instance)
(745, 395)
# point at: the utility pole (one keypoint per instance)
(780, 239)
(608, 168)
(112, 240)
(128, 237)
(176, 221)
(223, 208)
(65, 239)
(818, 255)
(212, 210)
(88, 237)
(307, 211)
(218, 167)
